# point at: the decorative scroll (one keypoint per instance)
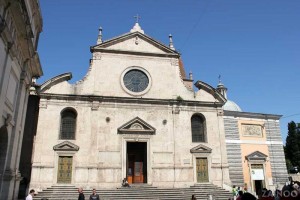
(252, 130)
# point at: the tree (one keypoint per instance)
(292, 148)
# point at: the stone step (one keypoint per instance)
(139, 191)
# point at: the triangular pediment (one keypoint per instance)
(66, 146)
(135, 42)
(201, 149)
(257, 155)
(136, 126)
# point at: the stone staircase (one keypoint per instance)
(140, 192)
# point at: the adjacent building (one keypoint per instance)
(254, 147)
(20, 26)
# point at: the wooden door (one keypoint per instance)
(138, 172)
(202, 170)
(64, 174)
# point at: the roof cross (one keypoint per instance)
(137, 17)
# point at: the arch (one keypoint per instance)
(68, 118)
(198, 127)
(3, 150)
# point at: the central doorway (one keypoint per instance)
(136, 162)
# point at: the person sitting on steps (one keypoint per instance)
(125, 183)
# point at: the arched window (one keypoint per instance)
(198, 128)
(68, 124)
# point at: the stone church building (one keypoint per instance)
(136, 115)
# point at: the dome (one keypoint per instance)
(231, 106)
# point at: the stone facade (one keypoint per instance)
(136, 101)
(20, 26)
(254, 140)
(254, 148)
(111, 118)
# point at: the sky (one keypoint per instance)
(253, 44)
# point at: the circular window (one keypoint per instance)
(136, 81)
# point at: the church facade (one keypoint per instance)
(135, 115)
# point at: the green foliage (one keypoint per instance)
(292, 148)
(179, 98)
(288, 163)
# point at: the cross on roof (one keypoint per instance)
(137, 17)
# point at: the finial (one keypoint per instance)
(136, 27)
(99, 40)
(220, 84)
(191, 75)
(221, 88)
(171, 42)
(137, 17)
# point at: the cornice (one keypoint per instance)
(251, 115)
(138, 53)
(130, 100)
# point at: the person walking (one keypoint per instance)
(193, 197)
(94, 196)
(81, 195)
(234, 192)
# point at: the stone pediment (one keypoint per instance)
(66, 146)
(257, 155)
(134, 42)
(201, 149)
(136, 126)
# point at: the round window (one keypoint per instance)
(136, 80)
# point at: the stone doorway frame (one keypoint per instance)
(136, 138)
(68, 149)
(257, 158)
(201, 151)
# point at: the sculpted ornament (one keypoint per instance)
(251, 130)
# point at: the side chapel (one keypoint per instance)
(136, 115)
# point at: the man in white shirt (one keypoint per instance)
(30, 195)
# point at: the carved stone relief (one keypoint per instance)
(251, 130)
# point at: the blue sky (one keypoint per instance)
(254, 45)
